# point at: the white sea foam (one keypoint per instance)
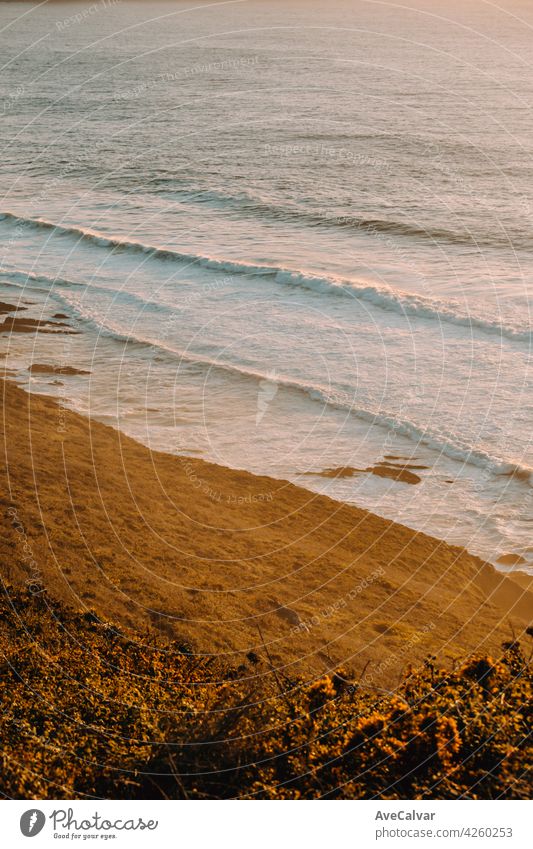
(447, 445)
(393, 300)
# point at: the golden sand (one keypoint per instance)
(231, 561)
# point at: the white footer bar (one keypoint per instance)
(269, 825)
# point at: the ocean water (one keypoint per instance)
(292, 237)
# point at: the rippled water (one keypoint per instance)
(293, 239)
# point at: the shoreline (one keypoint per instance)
(41, 369)
(236, 563)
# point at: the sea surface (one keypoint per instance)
(292, 237)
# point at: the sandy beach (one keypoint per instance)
(266, 277)
(231, 562)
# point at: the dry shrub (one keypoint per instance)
(88, 710)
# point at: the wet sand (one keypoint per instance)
(16, 324)
(43, 368)
(384, 469)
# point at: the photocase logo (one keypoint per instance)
(268, 389)
(32, 822)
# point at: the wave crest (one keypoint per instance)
(393, 300)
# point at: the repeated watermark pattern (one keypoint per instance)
(181, 74)
(34, 581)
(306, 625)
(273, 656)
(85, 13)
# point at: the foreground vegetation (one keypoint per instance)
(88, 710)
